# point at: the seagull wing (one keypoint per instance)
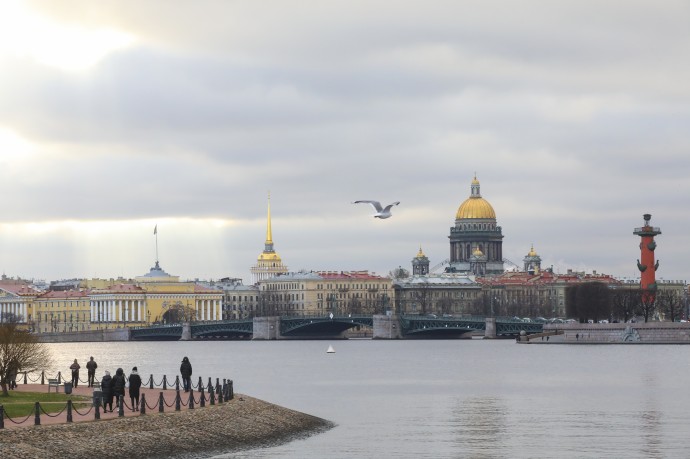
(388, 207)
(375, 204)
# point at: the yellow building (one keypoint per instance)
(156, 297)
(62, 311)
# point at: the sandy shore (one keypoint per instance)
(243, 423)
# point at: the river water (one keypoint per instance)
(443, 398)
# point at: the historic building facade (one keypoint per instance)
(440, 294)
(325, 292)
(476, 241)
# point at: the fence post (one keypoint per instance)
(201, 383)
(220, 396)
(37, 416)
(43, 377)
(177, 382)
(211, 396)
(2, 417)
(59, 377)
(161, 403)
(209, 383)
(217, 383)
(231, 391)
(177, 400)
(69, 410)
(151, 381)
(143, 404)
(97, 411)
(25, 377)
(121, 408)
(165, 382)
(202, 398)
(191, 399)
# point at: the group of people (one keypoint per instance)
(111, 386)
(91, 366)
(114, 386)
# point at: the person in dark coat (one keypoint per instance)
(75, 373)
(118, 385)
(186, 372)
(134, 386)
(91, 366)
(106, 388)
(13, 370)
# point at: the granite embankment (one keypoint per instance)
(244, 423)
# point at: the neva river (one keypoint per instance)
(443, 399)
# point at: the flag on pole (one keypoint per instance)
(155, 229)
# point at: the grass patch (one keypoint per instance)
(21, 404)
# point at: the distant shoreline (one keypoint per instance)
(242, 424)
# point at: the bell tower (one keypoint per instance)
(420, 264)
(646, 263)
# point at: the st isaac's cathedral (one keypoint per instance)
(476, 241)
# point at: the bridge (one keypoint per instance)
(441, 327)
(331, 326)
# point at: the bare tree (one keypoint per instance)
(399, 273)
(647, 304)
(624, 303)
(589, 300)
(19, 351)
(422, 294)
(670, 303)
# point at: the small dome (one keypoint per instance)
(532, 253)
(420, 254)
(475, 207)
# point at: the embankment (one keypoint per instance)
(244, 423)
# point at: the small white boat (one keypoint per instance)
(330, 350)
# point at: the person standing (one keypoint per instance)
(91, 366)
(186, 372)
(118, 385)
(75, 373)
(106, 388)
(134, 386)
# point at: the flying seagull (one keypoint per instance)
(380, 211)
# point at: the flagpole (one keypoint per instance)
(155, 232)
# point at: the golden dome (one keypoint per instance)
(420, 254)
(475, 206)
(532, 253)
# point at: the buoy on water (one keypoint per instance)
(330, 350)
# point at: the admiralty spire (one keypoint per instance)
(269, 263)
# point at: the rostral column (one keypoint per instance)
(646, 264)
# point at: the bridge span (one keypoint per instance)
(334, 327)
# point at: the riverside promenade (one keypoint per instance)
(238, 424)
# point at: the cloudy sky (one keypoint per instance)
(116, 116)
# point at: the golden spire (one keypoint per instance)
(269, 237)
(420, 254)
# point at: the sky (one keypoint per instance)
(117, 116)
